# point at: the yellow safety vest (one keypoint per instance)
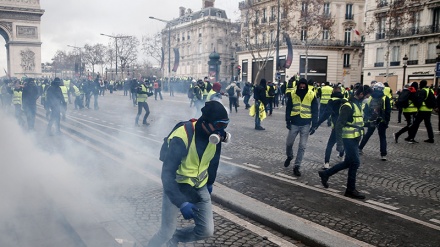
(17, 97)
(205, 92)
(353, 129)
(212, 92)
(76, 90)
(326, 94)
(193, 170)
(66, 83)
(304, 108)
(142, 97)
(424, 107)
(411, 107)
(64, 90)
(290, 86)
(267, 91)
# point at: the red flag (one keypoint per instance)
(357, 32)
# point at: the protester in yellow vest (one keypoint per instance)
(409, 110)
(188, 176)
(302, 119)
(142, 96)
(349, 130)
(17, 100)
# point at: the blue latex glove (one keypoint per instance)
(209, 186)
(187, 209)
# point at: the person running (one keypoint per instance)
(141, 98)
(406, 103)
(349, 130)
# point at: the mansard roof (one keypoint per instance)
(211, 11)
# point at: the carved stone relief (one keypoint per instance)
(27, 32)
(6, 25)
(27, 60)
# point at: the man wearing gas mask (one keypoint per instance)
(188, 174)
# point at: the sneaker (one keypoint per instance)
(324, 179)
(395, 136)
(429, 141)
(287, 162)
(354, 194)
(146, 124)
(412, 141)
(326, 166)
(296, 171)
(361, 152)
(383, 158)
(259, 128)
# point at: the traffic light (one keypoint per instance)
(238, 69)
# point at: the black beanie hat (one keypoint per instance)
(214, 111)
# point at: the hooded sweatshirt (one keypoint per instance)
(297, 120)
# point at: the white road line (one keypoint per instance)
(435, 221)
(329, 189)
(285, 176)
(253, 228)
(225, 157)
(381, 204)
(251, 165)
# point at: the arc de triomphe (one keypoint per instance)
(20, 27)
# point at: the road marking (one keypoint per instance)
(435, 221)
(329, 189)
(225, 157)
(254, 166)
(253, 228)
(381, 204)
(285, 176)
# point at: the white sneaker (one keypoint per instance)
(326, 166)
(383, 158)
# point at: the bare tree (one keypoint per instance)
(259, 30)
(94, 55)
(394, 19)
(309, 23)
(127, 50)
(151, 46)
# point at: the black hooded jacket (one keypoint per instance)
(297, 120)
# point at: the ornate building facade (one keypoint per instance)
(403, 51)
(334, 54)
(193, 37)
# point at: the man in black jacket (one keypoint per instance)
(260, 98)
(30, 97)
(188, 173)
(55, 99)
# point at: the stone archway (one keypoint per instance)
(20, 27)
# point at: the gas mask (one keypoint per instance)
(219, 134)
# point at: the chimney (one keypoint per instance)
(181, 11)
(208, 3)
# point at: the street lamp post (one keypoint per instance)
(116, 44)
(169, 46)
(80, 58)
(437, 48)
(405, 62)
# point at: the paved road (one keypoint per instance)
(403, 193)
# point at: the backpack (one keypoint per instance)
(189, 129)
(190, 93)
(430, 99)
(375, 109)
(403, 99)
(271, 91)
(231, 91)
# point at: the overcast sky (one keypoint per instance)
(80, 22)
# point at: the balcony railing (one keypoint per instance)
(329, 43)
(382, 4)
(395, 63)
(432, 60)
(398, 33)
(378, 64)
(349, 16)
(272, 18)
(346, 65)
(380, 36)
(413, 62)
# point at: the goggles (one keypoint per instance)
(220, 124)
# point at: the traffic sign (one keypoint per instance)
(437, 70)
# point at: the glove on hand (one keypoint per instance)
(209, 187)
(288, 125)
(312, 130)
(187, 209)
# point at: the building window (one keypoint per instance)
(303, 34)
(272, 36)
(349, 12)
(347, 37)
(188, 35)
(263, 20)
(304, 8)
(432, 51)
(200, 32)
(379, 57)
(326, 9)
(436, 20)
(257, 15)
(264, 38)
(381, 28)
(219, 14)
(395, 54)
(346, 60)
(256, 39)
(413, 54)
(416, 22)
(273, 10)
(325, 34)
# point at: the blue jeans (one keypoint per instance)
(351, 161)
(303, 132)
(257, 114)
(203, 220)
(382, 138)
(330, 144)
